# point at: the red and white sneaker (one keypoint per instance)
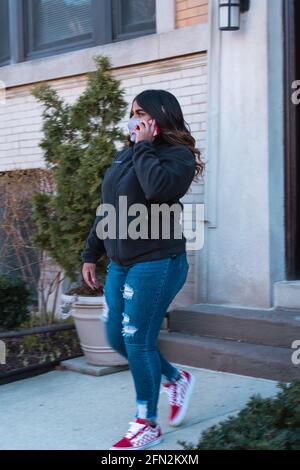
(140, 435)
(179, 394)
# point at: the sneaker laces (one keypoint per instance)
(134, 429)
(175, 392)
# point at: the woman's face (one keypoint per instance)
(138, 112)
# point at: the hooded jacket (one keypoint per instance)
(146, 174)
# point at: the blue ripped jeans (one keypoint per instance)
(137, 297)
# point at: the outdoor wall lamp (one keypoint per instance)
(229, 13)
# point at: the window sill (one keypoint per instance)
(148, 48)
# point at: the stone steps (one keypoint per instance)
(256, 343)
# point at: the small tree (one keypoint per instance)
(79, 144)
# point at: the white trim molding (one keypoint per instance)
(148, 48)
(165, 15)
(213, 125)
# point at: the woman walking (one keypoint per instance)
(145, 273)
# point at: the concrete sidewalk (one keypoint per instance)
(70, 410)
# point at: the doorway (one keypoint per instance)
(291, 22)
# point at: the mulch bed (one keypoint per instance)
(38, 346)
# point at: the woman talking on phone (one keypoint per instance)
(145, 273)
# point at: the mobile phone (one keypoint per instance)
(134, 124)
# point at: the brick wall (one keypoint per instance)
(20, 116)
(190, 12)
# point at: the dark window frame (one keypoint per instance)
(102, 33)
(5, 60)
(117, 25)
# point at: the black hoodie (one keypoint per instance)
(146, 174)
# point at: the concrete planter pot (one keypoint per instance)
(89, 314)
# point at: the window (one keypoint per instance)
(47, 27)
(4, 33)
(130, 17)
(55, 24)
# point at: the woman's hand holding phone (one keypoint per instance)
(147, 131)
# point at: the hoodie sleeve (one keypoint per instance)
(167, 177)
(94, 246)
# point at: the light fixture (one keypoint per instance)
(229, 13)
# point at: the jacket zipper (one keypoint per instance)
(116, 253)
(117, 218)
(116, 239)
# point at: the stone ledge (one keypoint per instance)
(148, 48)
(79, 364)
(287, 294)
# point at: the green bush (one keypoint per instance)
(263, 424)
(14, 302)
(79, 144)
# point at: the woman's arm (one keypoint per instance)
(166, 177)
(94, 246)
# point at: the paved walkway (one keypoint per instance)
(70, 410)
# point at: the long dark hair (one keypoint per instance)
(164, 107)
